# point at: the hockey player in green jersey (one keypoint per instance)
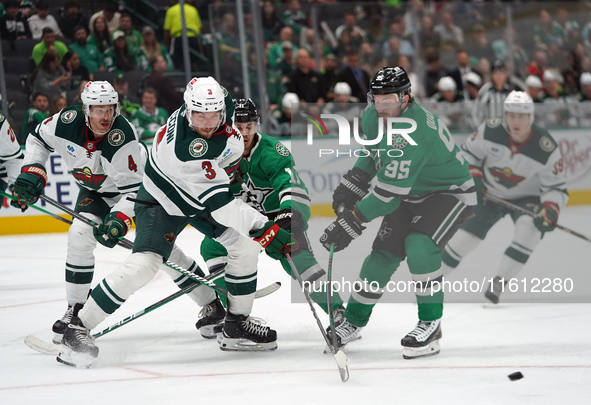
(513, 159)
(187, 177)
(424, 192)
(149, 117)
(268, 171)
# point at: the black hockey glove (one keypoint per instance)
(352, 189)
(292, 222)
(289, 219)
(342, 231)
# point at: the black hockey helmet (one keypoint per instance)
(389, 81)
(245, 110)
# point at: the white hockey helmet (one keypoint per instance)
(291, 101)
(99, 93)
(518, 102)
(204, 94)
(585, 79)
(533, 81)
(446, 83)
(342, 88)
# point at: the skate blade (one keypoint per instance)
(328, 351)
(245, 345)
(74, 359)
(343, 364)
(207, 331)
(431, 349)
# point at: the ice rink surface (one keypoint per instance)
(161, 359)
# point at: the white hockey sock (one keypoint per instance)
(80, 260)
(457, 248)
(134, 273)
(525, 238)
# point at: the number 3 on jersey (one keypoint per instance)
(207, 167)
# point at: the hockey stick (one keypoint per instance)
(129, 244)
(340, 357)
(329, 296)
(51, 214)
(517, 208)
(50, 348)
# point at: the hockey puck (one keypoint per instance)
(515, 376)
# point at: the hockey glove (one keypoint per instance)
(114, 228)
(292, 222)
(275, 240)
(29, 185)
(342, 231)
(478, 177)
(352, 189)
(546, 217)
(289, 220)
(15, 202)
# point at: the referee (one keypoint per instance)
(489, 102)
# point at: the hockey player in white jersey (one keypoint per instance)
(101, 149)
(11, 156)
(513, 159)
(187, 176)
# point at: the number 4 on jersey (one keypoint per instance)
(131, 163)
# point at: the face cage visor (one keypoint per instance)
(393, 100)
(205, 119)
(102, 112)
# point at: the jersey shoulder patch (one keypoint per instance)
(68, 116)
(282, 149)
(494, 122)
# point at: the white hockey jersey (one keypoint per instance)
(188, 174)
(511, 171)
(10, 153)
(112, 165)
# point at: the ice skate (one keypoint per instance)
(79, 348)
(59, 327)
(211, 315)
(345, 333)
(494, 290)
(423, 340)
(245, 334)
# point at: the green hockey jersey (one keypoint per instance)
(412, 172)
(146, 123)
(270, 175)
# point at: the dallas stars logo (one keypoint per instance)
(260, 193)
(505, 177)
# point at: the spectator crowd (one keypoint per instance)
(461, 56)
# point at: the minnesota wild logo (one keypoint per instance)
(116, 137)
(68, 116)
(198, 147)
(170, 238)
(505, 177)
(85, 202)
(87, 178)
